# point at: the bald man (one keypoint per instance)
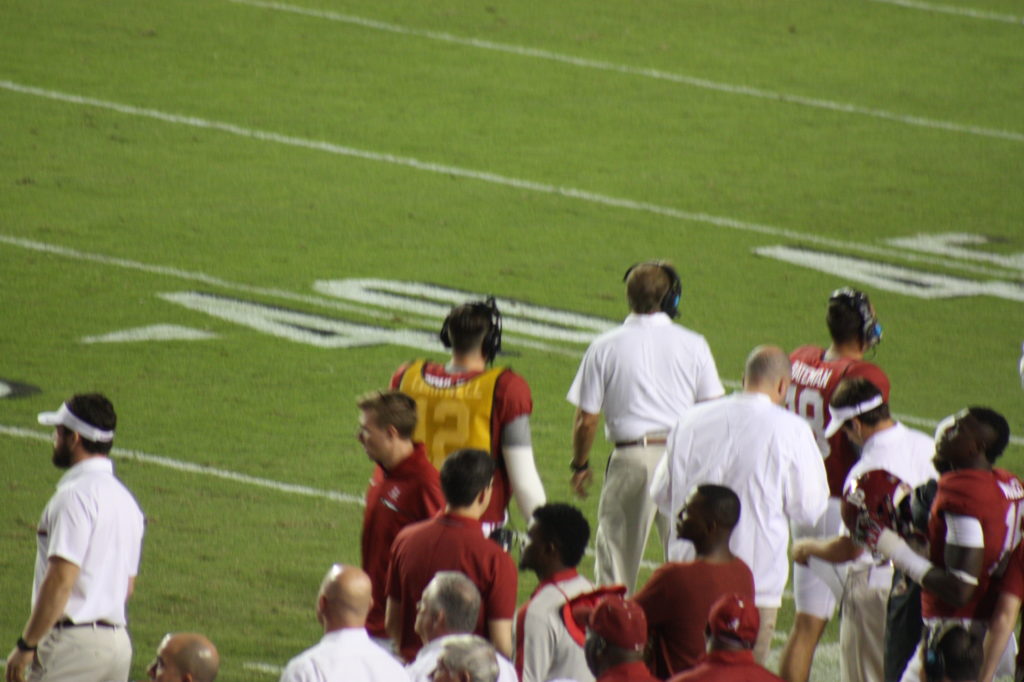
(185, 657)
(346, 650)
(768, 456)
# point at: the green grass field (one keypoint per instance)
(204, 165)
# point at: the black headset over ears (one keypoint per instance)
(871, 328)
(670, 301)
(492, 339)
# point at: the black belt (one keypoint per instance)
(643, 442)
(68, 623)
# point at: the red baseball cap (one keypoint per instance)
(620, 622)
(735, 617)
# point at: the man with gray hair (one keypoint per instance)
(466, 658)
(450, 606)
(767, 456)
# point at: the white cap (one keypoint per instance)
(840, 415)
(66, 418)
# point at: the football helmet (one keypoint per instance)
(876, 500)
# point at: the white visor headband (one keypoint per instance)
(841, 415)
(64, 417)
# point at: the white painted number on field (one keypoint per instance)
(430, 300)
(907, 281)
(415, 299)
(313, 330)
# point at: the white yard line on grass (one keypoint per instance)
(681, 79)
(507, 181)
(191, 467)
(953, 9)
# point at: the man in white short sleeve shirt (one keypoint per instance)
(643, 376)
(768, 456)
(89, 547)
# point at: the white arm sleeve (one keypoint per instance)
(522, 473)
(964, 531)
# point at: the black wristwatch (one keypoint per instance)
(24, 646)
(579, 467)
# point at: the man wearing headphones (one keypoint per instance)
(643, 376)
(817, 371)
(466, 404)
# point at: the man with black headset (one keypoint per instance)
(643, 376)
(464, 403)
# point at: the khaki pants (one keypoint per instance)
(765, 633)
(84, 653)
(862, 625)
(625, 515)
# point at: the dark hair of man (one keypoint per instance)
(458, 598)
(95, 409)
(468, 324)
(391, 408)
(464, 475)
(961, 654)
(999, 435)
(565, 526)
(844, 321)
(856, 390)
(646, 285)
(723, 504)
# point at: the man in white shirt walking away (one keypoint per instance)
(643, 376)
(768, 457)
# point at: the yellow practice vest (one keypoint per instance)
(454, 416)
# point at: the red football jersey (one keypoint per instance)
(814, 381)
(996, 499)
(512, 399)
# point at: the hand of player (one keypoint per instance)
(581, 482)
(17, 661)
(802, 551)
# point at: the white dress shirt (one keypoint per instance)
(348, 654)
(426, 660)
(769, 458)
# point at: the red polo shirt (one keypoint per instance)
(628, 672)
(727, 666)
(677, 600)
(449, 543)
(409, 493)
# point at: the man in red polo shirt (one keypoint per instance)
(679, 595)
(405, 488)
(453, 541)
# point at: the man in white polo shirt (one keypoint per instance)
(90, 542)
(768, 456)
(643, 376)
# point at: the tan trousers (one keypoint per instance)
(85, 653)
(862, 625)
(625, 514)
